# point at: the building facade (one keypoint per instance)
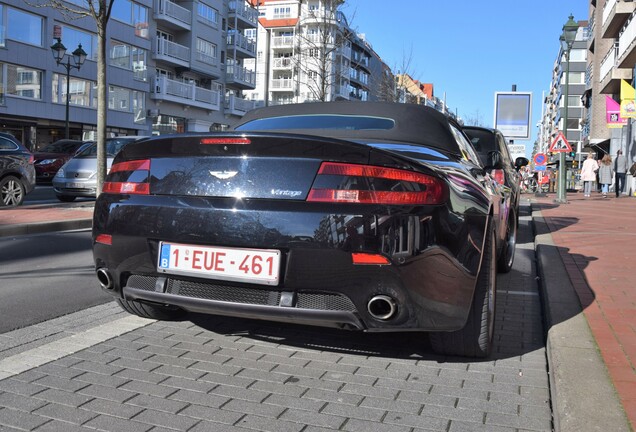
(171, 67)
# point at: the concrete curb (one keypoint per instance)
(583, 396)
(43, 227)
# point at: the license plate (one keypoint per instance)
(260, 266)
(75, 185)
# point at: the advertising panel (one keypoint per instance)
(513, 112)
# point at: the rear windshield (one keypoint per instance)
(483, 141)
(113, 145)
(320, 121)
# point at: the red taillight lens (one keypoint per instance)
(226, 141)
(369, 259)
(106, 239)
(31, 159)
(499, 176)
(365, 184)
(129, 177)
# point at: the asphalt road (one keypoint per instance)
(45, 276)
(43, 194)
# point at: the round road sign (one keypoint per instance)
(540, 159)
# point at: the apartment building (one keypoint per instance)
(308, 52)
(554, 109)
(612, 33)
(172, 67)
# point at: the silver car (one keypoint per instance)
(78, 177)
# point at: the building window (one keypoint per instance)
(314, 52)
(23, 27)
(206, 51)
(81, 91)
(132, 13)
(208, 14)
(22, 82)
(72, 37)
(282, 12)
(129, 57)
(139, 106)
(119, 99)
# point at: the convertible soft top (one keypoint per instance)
(361, 121)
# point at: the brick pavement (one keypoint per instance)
(596, 238)
(220, 374)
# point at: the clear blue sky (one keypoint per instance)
(470, 49)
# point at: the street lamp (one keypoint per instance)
(79, 55)
(567, 40)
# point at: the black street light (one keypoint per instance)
(567, 40)
(79, 55)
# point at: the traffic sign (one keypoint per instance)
(539, 167)
(560, 144)
(540, 159)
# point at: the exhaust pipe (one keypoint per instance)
(382, 307)
(104, 278)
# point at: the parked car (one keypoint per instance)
(364, 216)
(485, 141)
(78, 177)
(51, 157)
(17, 174)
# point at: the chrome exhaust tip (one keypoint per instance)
(104, 278)
(382, 307)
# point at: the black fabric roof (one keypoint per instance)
(416, 124)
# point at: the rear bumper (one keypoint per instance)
(434, 258)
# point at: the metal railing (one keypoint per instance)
(241, 8)
(627, 36)
(173, 10)
(187, 92)
(239, 73)
(171, 49)
(240, 41)
(609, 62)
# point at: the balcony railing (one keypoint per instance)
(282, 63)
(607, 9)
(186, 93)
(171, 50)
(241, 8)
(283, 41)
(240, 41)
(282, 84)
(240, 75)
(174, 11)
(237, 106)
(627, 36)
(609, 62)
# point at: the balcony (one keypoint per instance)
(282, 63)
(210, 64)
(171, 52)
(185, 93)
(237, 106)
(241, 15)
(283, 42)
(626, 49)
(282, 84)
(615, 13)
(238, 76)
(591, 35)
(242, 46)
(611, 75)
(172, 16)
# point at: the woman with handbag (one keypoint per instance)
(588, 173)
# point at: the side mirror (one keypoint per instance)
(495, 160)
(521, 162)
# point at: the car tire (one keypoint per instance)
(65, 198)
(507, 254)
(145, 310)
(12, 192)
(476, 338)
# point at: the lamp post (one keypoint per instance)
(79, 55)
(567, 40)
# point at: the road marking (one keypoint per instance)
(35, 357)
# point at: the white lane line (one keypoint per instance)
(35, 357)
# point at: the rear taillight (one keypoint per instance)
(498, 175)
(106, 239)
(31, 159)
(366, 184)
(129, 177)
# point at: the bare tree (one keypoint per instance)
(393, 87)
(475, 119)
(99, 11)
(321, 35)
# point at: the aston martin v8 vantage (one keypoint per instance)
(376, 217)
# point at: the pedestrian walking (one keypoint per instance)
(588, 173)
(620, 170)
(605, 174)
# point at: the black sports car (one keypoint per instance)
(368, 216)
